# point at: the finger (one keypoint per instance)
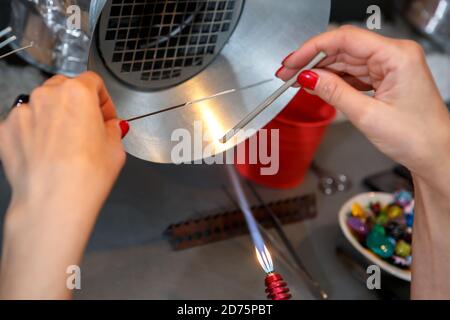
(338, 63)
(56, 80)
(118, 129)
(357, 43)
(93, 81)
(2, 140)
(360, 84)
(12, 130)
(338, 93)
(344, 68)
(113, 129)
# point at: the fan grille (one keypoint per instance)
(155, 44)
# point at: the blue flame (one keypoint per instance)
(251, 222)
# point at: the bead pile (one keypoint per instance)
(385, 230)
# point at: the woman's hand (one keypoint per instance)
(406, 118)
(62, 153)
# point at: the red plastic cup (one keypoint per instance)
(301, 127)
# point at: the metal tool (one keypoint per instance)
(330, 183)
(189, 103)
(16, 50)
(224, 224)
(288, 244)
(298, 267)
(4, 33)
(276, 288)
(271, 99)
(8, 32)
(248, 53)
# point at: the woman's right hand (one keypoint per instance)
(406, 118)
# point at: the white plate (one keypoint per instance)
(364, 199)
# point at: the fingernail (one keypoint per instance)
(285, 59)
(278, 71)
(308, 79)
(125, 127)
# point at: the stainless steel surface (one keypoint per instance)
(267, 31)
(57, 48)
(431, 17)
(158, 44)
(190, 103)
(271, 99)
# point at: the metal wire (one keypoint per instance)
(189, 103)
(5, 32)
(16, 50)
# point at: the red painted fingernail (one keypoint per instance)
(278, 71)
(125, 127)
(285, 59)
(308, 79)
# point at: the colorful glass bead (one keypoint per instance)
(358, 211)
(402, 262)
(395, 230)
(409, 259)
(376, 208)
(409, 220)
(380, 244)
(393, 241)
(394, 212)
(382, 218)
(409, 209)
(379, 229)
(403, 249)
(408, 235)
(403, 197)
(358, 227)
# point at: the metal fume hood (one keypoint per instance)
(157, 53)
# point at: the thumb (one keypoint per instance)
(338, 93)
(117, 129)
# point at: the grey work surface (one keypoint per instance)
(128, 257)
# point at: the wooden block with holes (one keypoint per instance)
(229, 224)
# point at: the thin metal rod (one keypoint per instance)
(271, 99)
(5, 31)
(8, 41)
(16, 50)
(216, 95)
(288, 244)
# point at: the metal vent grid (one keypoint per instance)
(155, 44)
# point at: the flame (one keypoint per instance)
(213, 126)
(265, 260)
